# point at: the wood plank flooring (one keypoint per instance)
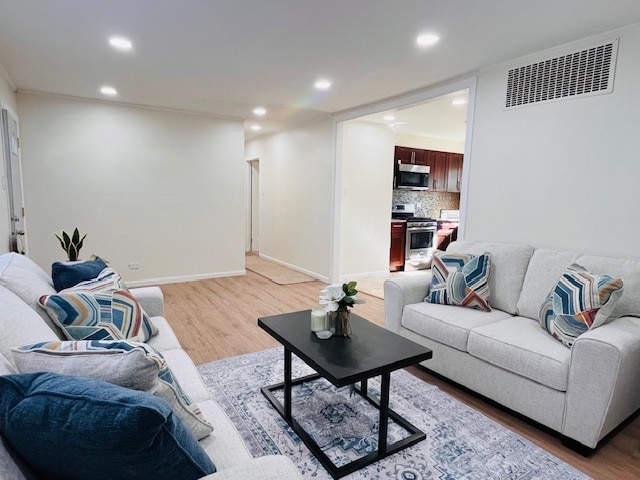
(217, 318)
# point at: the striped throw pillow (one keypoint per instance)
(579, 302)
(460, 279)
(125, 363)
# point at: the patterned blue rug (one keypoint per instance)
(461, 443)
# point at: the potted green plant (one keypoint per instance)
(71, 244)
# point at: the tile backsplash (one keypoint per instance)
(430, 202)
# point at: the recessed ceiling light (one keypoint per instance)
(427, 39)
(322, 84)
(388, 118)
(259, 111)
(121, 43)
(458, 101)
(108, 91)
(256, 128)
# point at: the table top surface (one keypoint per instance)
(369, 351)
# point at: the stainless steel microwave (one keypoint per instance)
(413, 177)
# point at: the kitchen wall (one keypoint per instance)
(296, 196)
(562, 174)
(428, 204)
(161, 188)
(8, 101)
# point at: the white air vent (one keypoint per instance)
(587, 72)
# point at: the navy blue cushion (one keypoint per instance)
(68, 427)
(66, 275)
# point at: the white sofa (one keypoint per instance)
(23, 321)
(582, 392)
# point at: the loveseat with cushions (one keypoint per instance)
(583, 391)
(23, 321)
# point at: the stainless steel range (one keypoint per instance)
(420, 236)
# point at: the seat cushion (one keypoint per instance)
(543, 273)
(446, 324)
(70, 428)
(519, 345)
(508, 267)
(166, 338)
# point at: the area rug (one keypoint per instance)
(275, 272)
(461, 443)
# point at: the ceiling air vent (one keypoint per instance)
(586, 72)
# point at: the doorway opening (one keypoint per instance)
(254, 206)
(13, 173)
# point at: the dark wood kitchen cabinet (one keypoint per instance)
(454, 172)
(398, 240)
(437, 162)
(410, 156)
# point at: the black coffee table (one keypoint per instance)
(369, 352)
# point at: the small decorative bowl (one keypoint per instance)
(323, 334)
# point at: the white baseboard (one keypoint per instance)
(182, 279)
(322, 278)
(356, 276)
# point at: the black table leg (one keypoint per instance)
(384, 414)
(287, 384)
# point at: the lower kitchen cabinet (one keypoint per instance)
(398, 242)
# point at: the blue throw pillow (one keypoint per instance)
(67, 275)
(68, 427)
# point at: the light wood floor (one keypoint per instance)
(217, 318)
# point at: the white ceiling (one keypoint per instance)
(224, 57)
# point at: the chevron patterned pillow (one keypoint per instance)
(101, 315)
(460, 279)
(579, 302)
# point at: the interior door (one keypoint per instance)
(14, 182)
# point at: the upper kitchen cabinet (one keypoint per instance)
(438, 163)
(411, 156)
(454, 172)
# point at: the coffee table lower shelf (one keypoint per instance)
(384, 449)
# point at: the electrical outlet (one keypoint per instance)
(134, 265)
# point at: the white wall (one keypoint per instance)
(365, 204)
(563, 174)
(8, 101)
(428, 143)
(161, 188)
(296, 188)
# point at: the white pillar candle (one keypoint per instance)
(318, 320)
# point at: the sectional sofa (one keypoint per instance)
(583, 392)
(23, 321)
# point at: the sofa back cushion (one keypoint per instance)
(508, 266)
(19, 324)
(544, 271)
(28, 281)
(628, 270)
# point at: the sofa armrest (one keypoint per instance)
(401, 291)
(151, 300)
(604, 380)
(269, 467)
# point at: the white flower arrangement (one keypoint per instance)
(339, 297)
